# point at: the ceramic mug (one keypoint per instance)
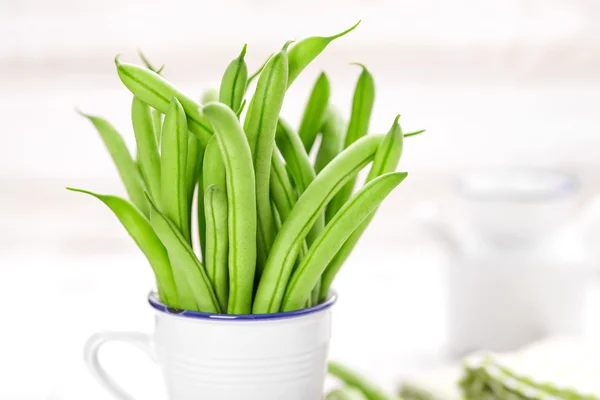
(230, 357)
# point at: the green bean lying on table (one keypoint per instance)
(355, 380)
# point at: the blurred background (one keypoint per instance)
(508, 92)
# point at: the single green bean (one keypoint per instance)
(283, 195)
(156, 115)
(174, 183)
(307, 50)
(362, 106)
(148, 64)
(333, 133)
(302, 217)
(215, 206)
(126, 165)
(213, 173)
(386, 160)
(195, 155)
(314, 113)
(300, 168)
(241, 203)
(258, 71)
(350, 216)
(185, 261)
(261, 127)
(233, 84)
(149, 160)
(213, 169)
(282, 191)
(352, 378)
(346, 393)
(139, 228)
(155, 90)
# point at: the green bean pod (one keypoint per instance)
(353, 379)
(300, 168)
(213, 173)
(305, 212)
(174, 183)
(307, 50)
(140, 230)
(241, 203)
(346, 393)
(156, 91)
(362, 106)
(350, 216)
(257, 73)
(149, 159)
(126, 165)
(233, 84)
(386, 160)
(185, 262)
(261, 126)
(314, 113)
(333, 133)
(215, 206)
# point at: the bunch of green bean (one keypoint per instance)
(269, 229)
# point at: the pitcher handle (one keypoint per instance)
(92, 347)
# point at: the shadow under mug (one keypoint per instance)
(230, 357)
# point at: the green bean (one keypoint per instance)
(282, 191)
(347, 393)
(258, 72)
(155, 90)
(261, 126)
(241, 203)
(138, 227)
(126, 166)
(300, 167)
(307, 50)
(314, 113)
(333, 133)
(238, 113)
(148, 64)
(174, 184)
(213, 168)
(185, 261)
(213, 173)
(414, 133)
(386, 160)
(362, 105)
(350, 216)
(233, 84)
(210, 95)
(354, 379)
(302, 217)
(195, 155)
(283, 195)
(157, 121)
(215, 206)
(149, 160)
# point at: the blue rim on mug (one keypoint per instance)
(157, 305)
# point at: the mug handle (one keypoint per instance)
(92, 347)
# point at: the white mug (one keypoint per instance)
(230, 357)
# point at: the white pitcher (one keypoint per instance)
(230, 357)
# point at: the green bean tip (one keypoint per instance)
(287, 44)
(414, 133)
(117, 60)
(397, 119)
(243, 53)
(359, 65)
(353, 27)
